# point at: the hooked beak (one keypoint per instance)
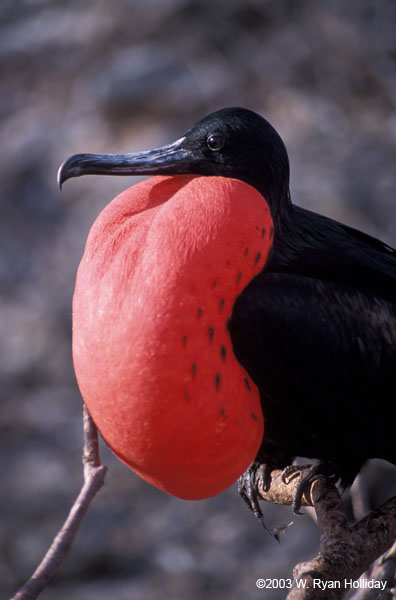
(171, 159)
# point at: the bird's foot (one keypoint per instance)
(307, 475)
(256, 476)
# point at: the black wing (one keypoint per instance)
(317, 334)
(314, 245)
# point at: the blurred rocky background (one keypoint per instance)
(125, 75)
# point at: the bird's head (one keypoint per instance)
(232, 142)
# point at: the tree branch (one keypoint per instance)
(344, 552)
(383, 570)
(94, 474)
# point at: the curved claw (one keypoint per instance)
(248, 490)
(292, 471)
(308, 474)
(256, 477)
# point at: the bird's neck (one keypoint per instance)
(287, 244)
(280, 206)
(274, 187)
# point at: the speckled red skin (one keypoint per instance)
(162, 266)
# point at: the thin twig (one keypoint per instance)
(94, 474)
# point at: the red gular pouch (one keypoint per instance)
(162, 267)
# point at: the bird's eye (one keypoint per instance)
(215, 141)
